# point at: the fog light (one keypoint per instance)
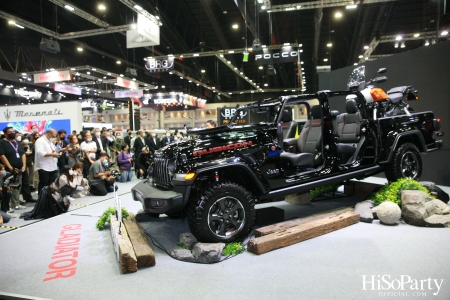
(189, 175)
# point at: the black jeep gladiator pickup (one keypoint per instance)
(217, 178)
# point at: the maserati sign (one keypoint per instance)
(285, 54)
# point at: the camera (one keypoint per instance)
(115, 173)
(13, 180)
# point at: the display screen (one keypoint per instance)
(25, 126)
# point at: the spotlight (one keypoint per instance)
(366, 47)
(416, 35)
(444, 33)
(338, 15)
(403, 45)
(329, 45)
(68, 7)
(235, 26)
(427, 43)
(398, 38)
(80, 49)
(396, 45)
(118, 62)
(101, 7)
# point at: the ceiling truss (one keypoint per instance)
(318, 4)
(81, 13)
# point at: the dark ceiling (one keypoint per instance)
(202, 25)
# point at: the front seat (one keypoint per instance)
(288, 126)
(348, 131)
(309, 143)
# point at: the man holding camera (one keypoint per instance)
(13, 157)
(101, 181)
(46, 158)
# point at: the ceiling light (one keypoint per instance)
(355, 64)
(163, 86)
(101, 7)
(266, 84)
(109, 74)
(89, 73)
(121, 75)
(396, 45)
(20, 26)
(444, 33)
(118, 62)
(360, 56)
(366, 47)
(134, 79)
(338, 15)
(68, 7)
(80, 49)
(228, 62)
(231, 51)
(235, 26)
(351, 6)
(24, 74)
(263, 7)
(241, 72)
(11, 22)
(325, 59)
(196, 54)
(398, 38)
(133, 26)
(260, 1)
(203, 71)
(403, 45)
(416, 34)
(427, 42)
(329, 45)
(138, 7)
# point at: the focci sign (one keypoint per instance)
(160, 65)
(127, 83)
(53, 76)
(285, 54)
(226, 114)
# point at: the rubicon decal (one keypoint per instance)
(222, 148)
(64, 258)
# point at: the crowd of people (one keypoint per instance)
(57, 164)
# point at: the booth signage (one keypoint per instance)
(165, 101)
(135, 40)
(129, 94)
(67, 89)
(127, 83)
(285, 54)
(28, 94)
(148, 29)
(160, 65)
(53, 76)
(226, 114)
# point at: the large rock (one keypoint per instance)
(438, 221)
(389, 213)
(437, 207)
(188, 239)
(435, 190)
(207, 253)
(364, 209)
(182, 254)
(413, 207)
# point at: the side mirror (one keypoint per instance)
(382, 70)
(380, 79)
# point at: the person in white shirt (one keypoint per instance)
(89, 149)
(45, 159)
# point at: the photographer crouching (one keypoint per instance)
(101, 179)
(143, 163)
(5, 194)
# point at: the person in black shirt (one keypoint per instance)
(12, 155)
(61, 146)
(153, 142)
(127, 139)
(142, 163)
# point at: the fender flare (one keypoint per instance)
(422, 147)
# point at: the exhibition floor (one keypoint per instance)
(345, 264)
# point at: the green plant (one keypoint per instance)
(323, 189)
(106, 217)
(181, 245)
(393, 192)
(233, 249)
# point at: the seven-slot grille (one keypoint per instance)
(161, 174)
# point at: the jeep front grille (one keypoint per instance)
(161, 174)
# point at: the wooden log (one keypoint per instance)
(123, 247)
(144, 253)
(291, 223)
(301, 233)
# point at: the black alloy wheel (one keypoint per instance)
(406, 163)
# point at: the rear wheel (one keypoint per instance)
(225, 212)
(406, 163)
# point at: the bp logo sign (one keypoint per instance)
(226, 114)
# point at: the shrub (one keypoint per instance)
(393, 192)
(106, 217)
(182, 245)
(233, 249)
(323, 189)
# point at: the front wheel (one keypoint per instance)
(224, 213)
(406, 163)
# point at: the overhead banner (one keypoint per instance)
(53, 76)
(285, 54)
(28, 94)
(129, 94)
(132, 85)
(148, 29)
(63, 88)
(160, 65)
(135, 40)
(226, 114)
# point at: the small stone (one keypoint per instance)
(364, 209)
(428, 184)
(182, 254)
(389, 213)
(374, 212)
(207, 253)
(188, 239)
(438, 221)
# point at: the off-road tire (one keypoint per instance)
(406, 162)
(204, 213)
